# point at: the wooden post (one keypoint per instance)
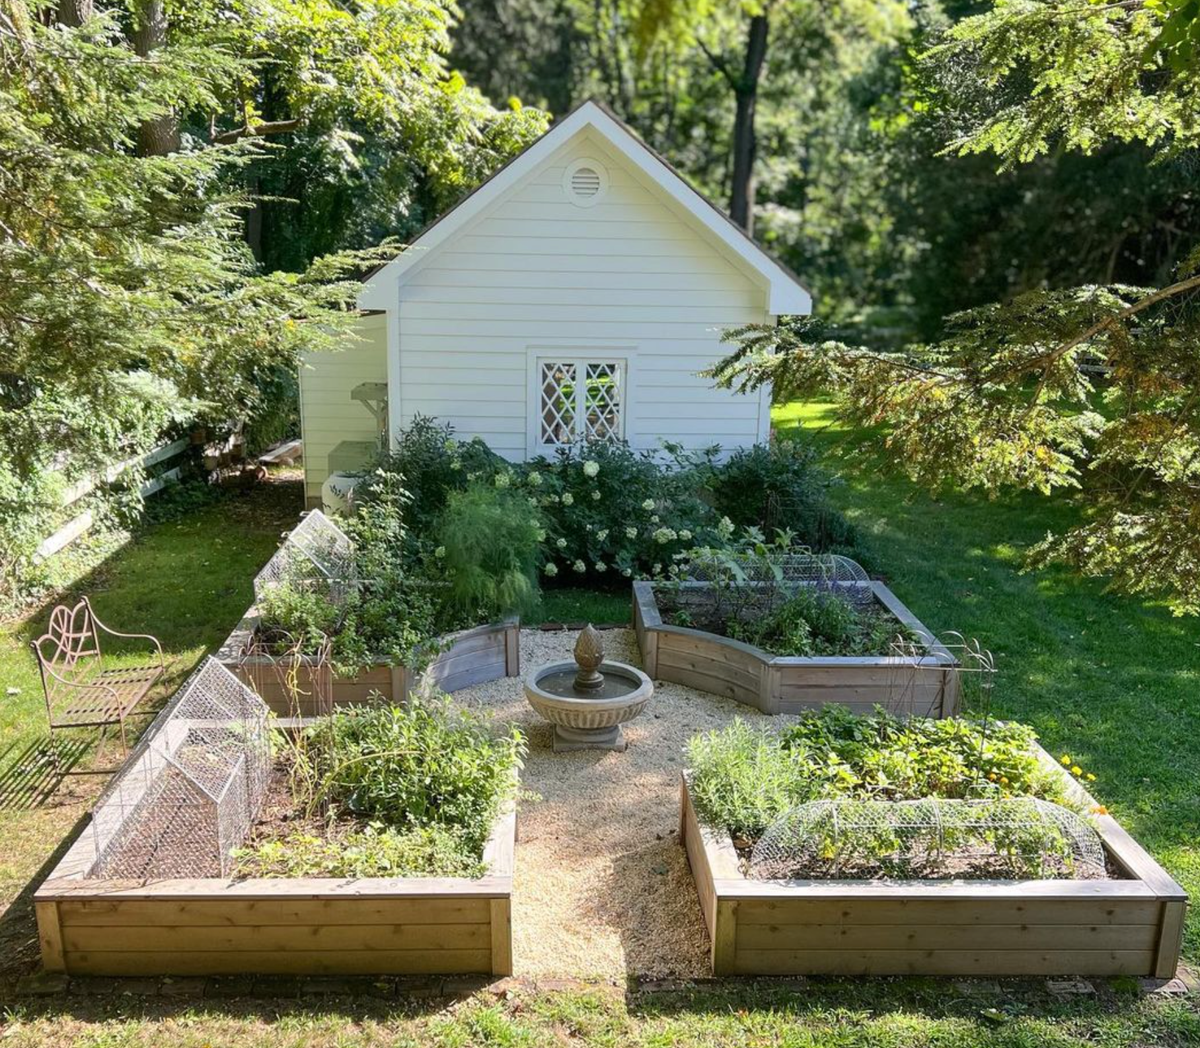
(512, 650)
(724, 961)
(50, 934)
(502, 936)
(1170, 940)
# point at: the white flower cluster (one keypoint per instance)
(591, 468)
(534, 478)
(568, 499)
(665, 535)
(648, 505)
(631, 533)
(725, 528)
(551, 569)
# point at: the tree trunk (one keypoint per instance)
(159, 136)
(74, 12)
(745, 144)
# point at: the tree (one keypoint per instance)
(1094, 387)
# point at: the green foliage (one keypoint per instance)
(488, 541)
(375, 851)
(818, 620)
(744, 779)
(296, 618)
(780, 485)
(423, 765)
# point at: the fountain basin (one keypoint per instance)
(588, 721)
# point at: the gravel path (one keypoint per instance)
(602, 887)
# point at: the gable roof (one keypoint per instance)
(786, 293)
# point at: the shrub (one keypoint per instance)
(431, 464)
(780, 485)
(488, 540)
(744, 779)
(425, 765)
(817, 620)
(611, 512)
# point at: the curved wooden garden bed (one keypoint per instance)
(781, 684)
(1131, 926)
(471, 656)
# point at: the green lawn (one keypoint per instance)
(1111, 681)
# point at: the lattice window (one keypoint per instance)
(580, 400)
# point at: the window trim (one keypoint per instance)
(580, 357)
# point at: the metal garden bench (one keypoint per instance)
(81, 691)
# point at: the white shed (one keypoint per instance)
(576, 294)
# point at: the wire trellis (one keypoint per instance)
(315, 554)
(192, 787)
(1015, 838)
(784, 568)
(913, 672)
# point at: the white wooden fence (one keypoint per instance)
(82, 522)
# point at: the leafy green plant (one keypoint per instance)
(488, 541)
(295, 617)
(375, 851)
(422, 765)
(818, 620)
(744, 779)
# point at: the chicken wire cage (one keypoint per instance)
(1022, 838)
(191, 789)
(782, 573)
(316, 554)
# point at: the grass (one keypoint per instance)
(575, 605)
(1112, 681)
(824, 1014)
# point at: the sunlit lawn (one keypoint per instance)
(1105, 678)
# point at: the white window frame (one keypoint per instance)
(580, 357)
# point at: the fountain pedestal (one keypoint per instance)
(588, 700)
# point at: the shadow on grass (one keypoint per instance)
(31, 771)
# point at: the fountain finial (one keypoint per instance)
(589, 654)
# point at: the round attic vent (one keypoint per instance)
(585, 182)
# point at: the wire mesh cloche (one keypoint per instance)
(315, 554)
(1021, 838)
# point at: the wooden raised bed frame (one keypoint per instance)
(782, 684)
(1099, 928)
(279, 926)
(473, 656)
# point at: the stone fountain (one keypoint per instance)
(588, 700)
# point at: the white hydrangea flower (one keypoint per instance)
(657, 569)
(440, 552)
(601, 566)
(595, 496)
(579, 566)
(725, 528)
(654, 519)
(568, 499)
(561, 543)
(450, 444)
(541, 534)
(631, 533)
(648, 505)
(685, 534)
(551, 569)
(534, 478)
(627, 573)
(602, 534)
(591, 468)
(456, 464)
(503, 479)
(665, 535)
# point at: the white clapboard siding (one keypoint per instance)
(327, 414)
(535, 275)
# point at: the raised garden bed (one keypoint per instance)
(470, 657)
(92, 923)
(1128, 926)
(927, 685)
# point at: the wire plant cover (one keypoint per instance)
(828, 569)
(192, 787)
(317, 554)
(1019, 838)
